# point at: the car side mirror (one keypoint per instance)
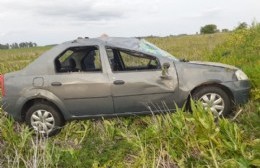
(165, 72)
(166, 65)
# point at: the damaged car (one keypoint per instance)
(111, 76)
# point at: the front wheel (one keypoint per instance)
(215, 99)
(44, 119)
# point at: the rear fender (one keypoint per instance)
(42, 94)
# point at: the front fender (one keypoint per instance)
(42, 94)
(192, 76)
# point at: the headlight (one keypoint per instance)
(241, 75)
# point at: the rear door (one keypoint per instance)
(137, 83)
(81, 83)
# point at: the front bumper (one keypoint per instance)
(240, 90)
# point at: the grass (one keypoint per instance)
(16, 59)
(192, 47)
(177, 139)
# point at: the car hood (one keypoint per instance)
(215, 64)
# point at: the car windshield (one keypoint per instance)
(148, 47)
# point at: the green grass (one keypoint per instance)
(178, 139)
(16, 59)
(192, 47)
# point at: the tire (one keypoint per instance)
(44, 118)
(214, 98)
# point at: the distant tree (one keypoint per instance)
(16, 45)
(30, 44)
(242, 25)
(224, 30)
(179, 35)
(209, 29)
(21, 45)
(4, 46)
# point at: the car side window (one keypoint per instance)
(77, 59)
(123, 60)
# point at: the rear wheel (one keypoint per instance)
(44, 119)
(215, 99)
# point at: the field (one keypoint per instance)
(179, 139)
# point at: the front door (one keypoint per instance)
(137, 83)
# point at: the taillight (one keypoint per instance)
(2, 84)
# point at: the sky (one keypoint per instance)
(55, 21)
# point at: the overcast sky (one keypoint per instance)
(56, 21)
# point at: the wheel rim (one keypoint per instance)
(214, 102)
(42, 121)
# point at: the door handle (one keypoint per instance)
(119, 82)
(56, 84)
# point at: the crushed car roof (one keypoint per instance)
(121, 42)
(129, 43)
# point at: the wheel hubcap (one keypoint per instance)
(214, 102)
(42, 121)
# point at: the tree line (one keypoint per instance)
(18, 45)
(212, 28)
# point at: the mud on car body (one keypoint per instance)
(106, 77)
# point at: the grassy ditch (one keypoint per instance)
(179, 139)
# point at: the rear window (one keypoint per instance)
(83, 59)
